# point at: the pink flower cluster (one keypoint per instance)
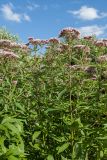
(8, 54)
(69, 33)
(62, 48)
(54, 40)
(43, 42)
(102, 58)
(90, 70)
(101, 43)
(76, 67)
(83, 48)
(14, 82)
(12, 45)
(37, 41)
(88, 37)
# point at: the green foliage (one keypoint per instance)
(57, 110)
(4, 34)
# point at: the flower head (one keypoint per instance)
(90, 70)
(43, 42)
(99, 43)
(14, 82)
(69, 33)
(102, 58)
(8, 54)
(37, 41)
(88, 37)
(54, 40)
(5, 43)
(105, 42)
(83, 48)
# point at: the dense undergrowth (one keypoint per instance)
(53, 106)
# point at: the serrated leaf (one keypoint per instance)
(62, 148)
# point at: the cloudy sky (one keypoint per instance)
(45, 18)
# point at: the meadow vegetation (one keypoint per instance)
(53, 106)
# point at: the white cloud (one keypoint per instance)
(9, 14)
(92, 30)
(87, 13)
(26, 17)
(32, 7)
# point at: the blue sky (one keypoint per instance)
(45, 18)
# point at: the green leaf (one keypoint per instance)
(62, 148)
(36, 146)
(20, 106)
(61, 94)
(12, 158)
(36, 135)
(101, 154)
(13, 128)
(2, 146)
(102, 138)
(77, 124)
(59, 139)
(63, 158)
(50, 157)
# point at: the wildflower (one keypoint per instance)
(105, 42)
(64, 46)
(59, 49)
(8, 54)
(90, 70)
(38, 41)
(30, 39)
(87, 59)
(53, 40)
(79, 46)
(5, 43)
(94, 77)
(76, 67)
(69, 33)
(84, 48)
(14, 82)
(99, 43)
(88, 37)
(102, 58)
(23, 46)
(44, 42)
